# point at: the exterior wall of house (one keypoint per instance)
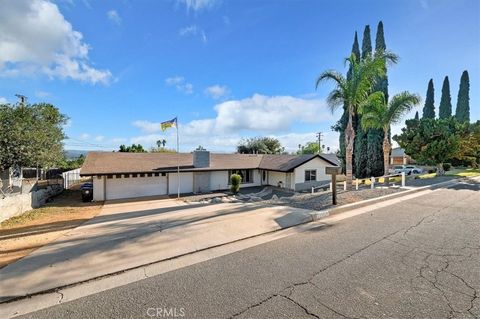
(218, 180)
(98, 194)
(201, 182)
(317, 164)
(186, 183)
(275, 177)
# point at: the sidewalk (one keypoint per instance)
(128, 235)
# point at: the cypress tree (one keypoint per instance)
(462, 113)
(429, 107)
(361, 137)
(366, 42)
(416, 116)
(375, 165)
(445, 108)
(342, 123)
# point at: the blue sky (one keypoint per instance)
(228, 69)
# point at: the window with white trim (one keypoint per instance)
(310, 175)
(246, 174)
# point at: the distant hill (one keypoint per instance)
(72, 154)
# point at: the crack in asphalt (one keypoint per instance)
(434, 283)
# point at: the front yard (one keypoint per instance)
(20, 235)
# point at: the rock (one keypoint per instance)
(255, 199)
(274, 197)
(216, 200)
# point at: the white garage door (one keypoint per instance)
(136, 187)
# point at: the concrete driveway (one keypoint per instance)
(130, 234)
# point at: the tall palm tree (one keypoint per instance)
(377, 113)
(353, 91)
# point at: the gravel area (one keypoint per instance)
(320, 201)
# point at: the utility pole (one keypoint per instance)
(319, 136)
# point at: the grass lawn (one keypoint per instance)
(459, 172)
(22, 234)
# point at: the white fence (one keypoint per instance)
(71, 178)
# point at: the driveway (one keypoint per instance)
(129, 234)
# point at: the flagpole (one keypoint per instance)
(178, 162)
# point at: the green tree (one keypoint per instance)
(366, 42)
(429, 108)
(354, 91)
(69, 164)
(260, 145)
(417, 118)
(342, 123)
(235, 181)
(375, 137)
(445, 108)
(468, 153)
(462, 113)
(134, 148)
(308, 148)
(31, 135)
(378, 114)
(430, 141)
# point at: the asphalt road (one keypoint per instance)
(419, 259)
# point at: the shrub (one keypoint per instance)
(235, 181)
(432, 170)
(447, 166)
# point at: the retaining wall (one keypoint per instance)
(14, 205)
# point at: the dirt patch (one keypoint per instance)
(22, 234)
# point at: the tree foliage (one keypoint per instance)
(468, 153)
(462, 112)
(134, 148)
(31, 135)
(430, 141)
(235, 181)
(308, 148)
(260, 145)
(69, 164)
(429, 107)
(445, 108)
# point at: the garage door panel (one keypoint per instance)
(118, 188)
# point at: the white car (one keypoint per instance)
(408, 169)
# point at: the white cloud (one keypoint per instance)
(35, 38)
(180, 83)
(3, 100)
(258, 115)
(99, 138)
(113, 16)
(193, 30)
(118, 140)
(198, 5)
(146, 126)
(217, 91)
(84, 136)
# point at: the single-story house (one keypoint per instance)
(398, 157)
(119, 175)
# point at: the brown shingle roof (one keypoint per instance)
(98, 163)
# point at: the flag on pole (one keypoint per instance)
(168, 124)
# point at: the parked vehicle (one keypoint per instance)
(87, 192)
(408, 169)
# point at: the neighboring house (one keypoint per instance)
(125, 175)
(398, 157)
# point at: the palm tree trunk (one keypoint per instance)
(349, 142)
(386, 153)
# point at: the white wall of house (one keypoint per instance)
(317, 164)
(218, 180)
(275, 177)
(186, 183)
(130, 187)
(98, 188)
